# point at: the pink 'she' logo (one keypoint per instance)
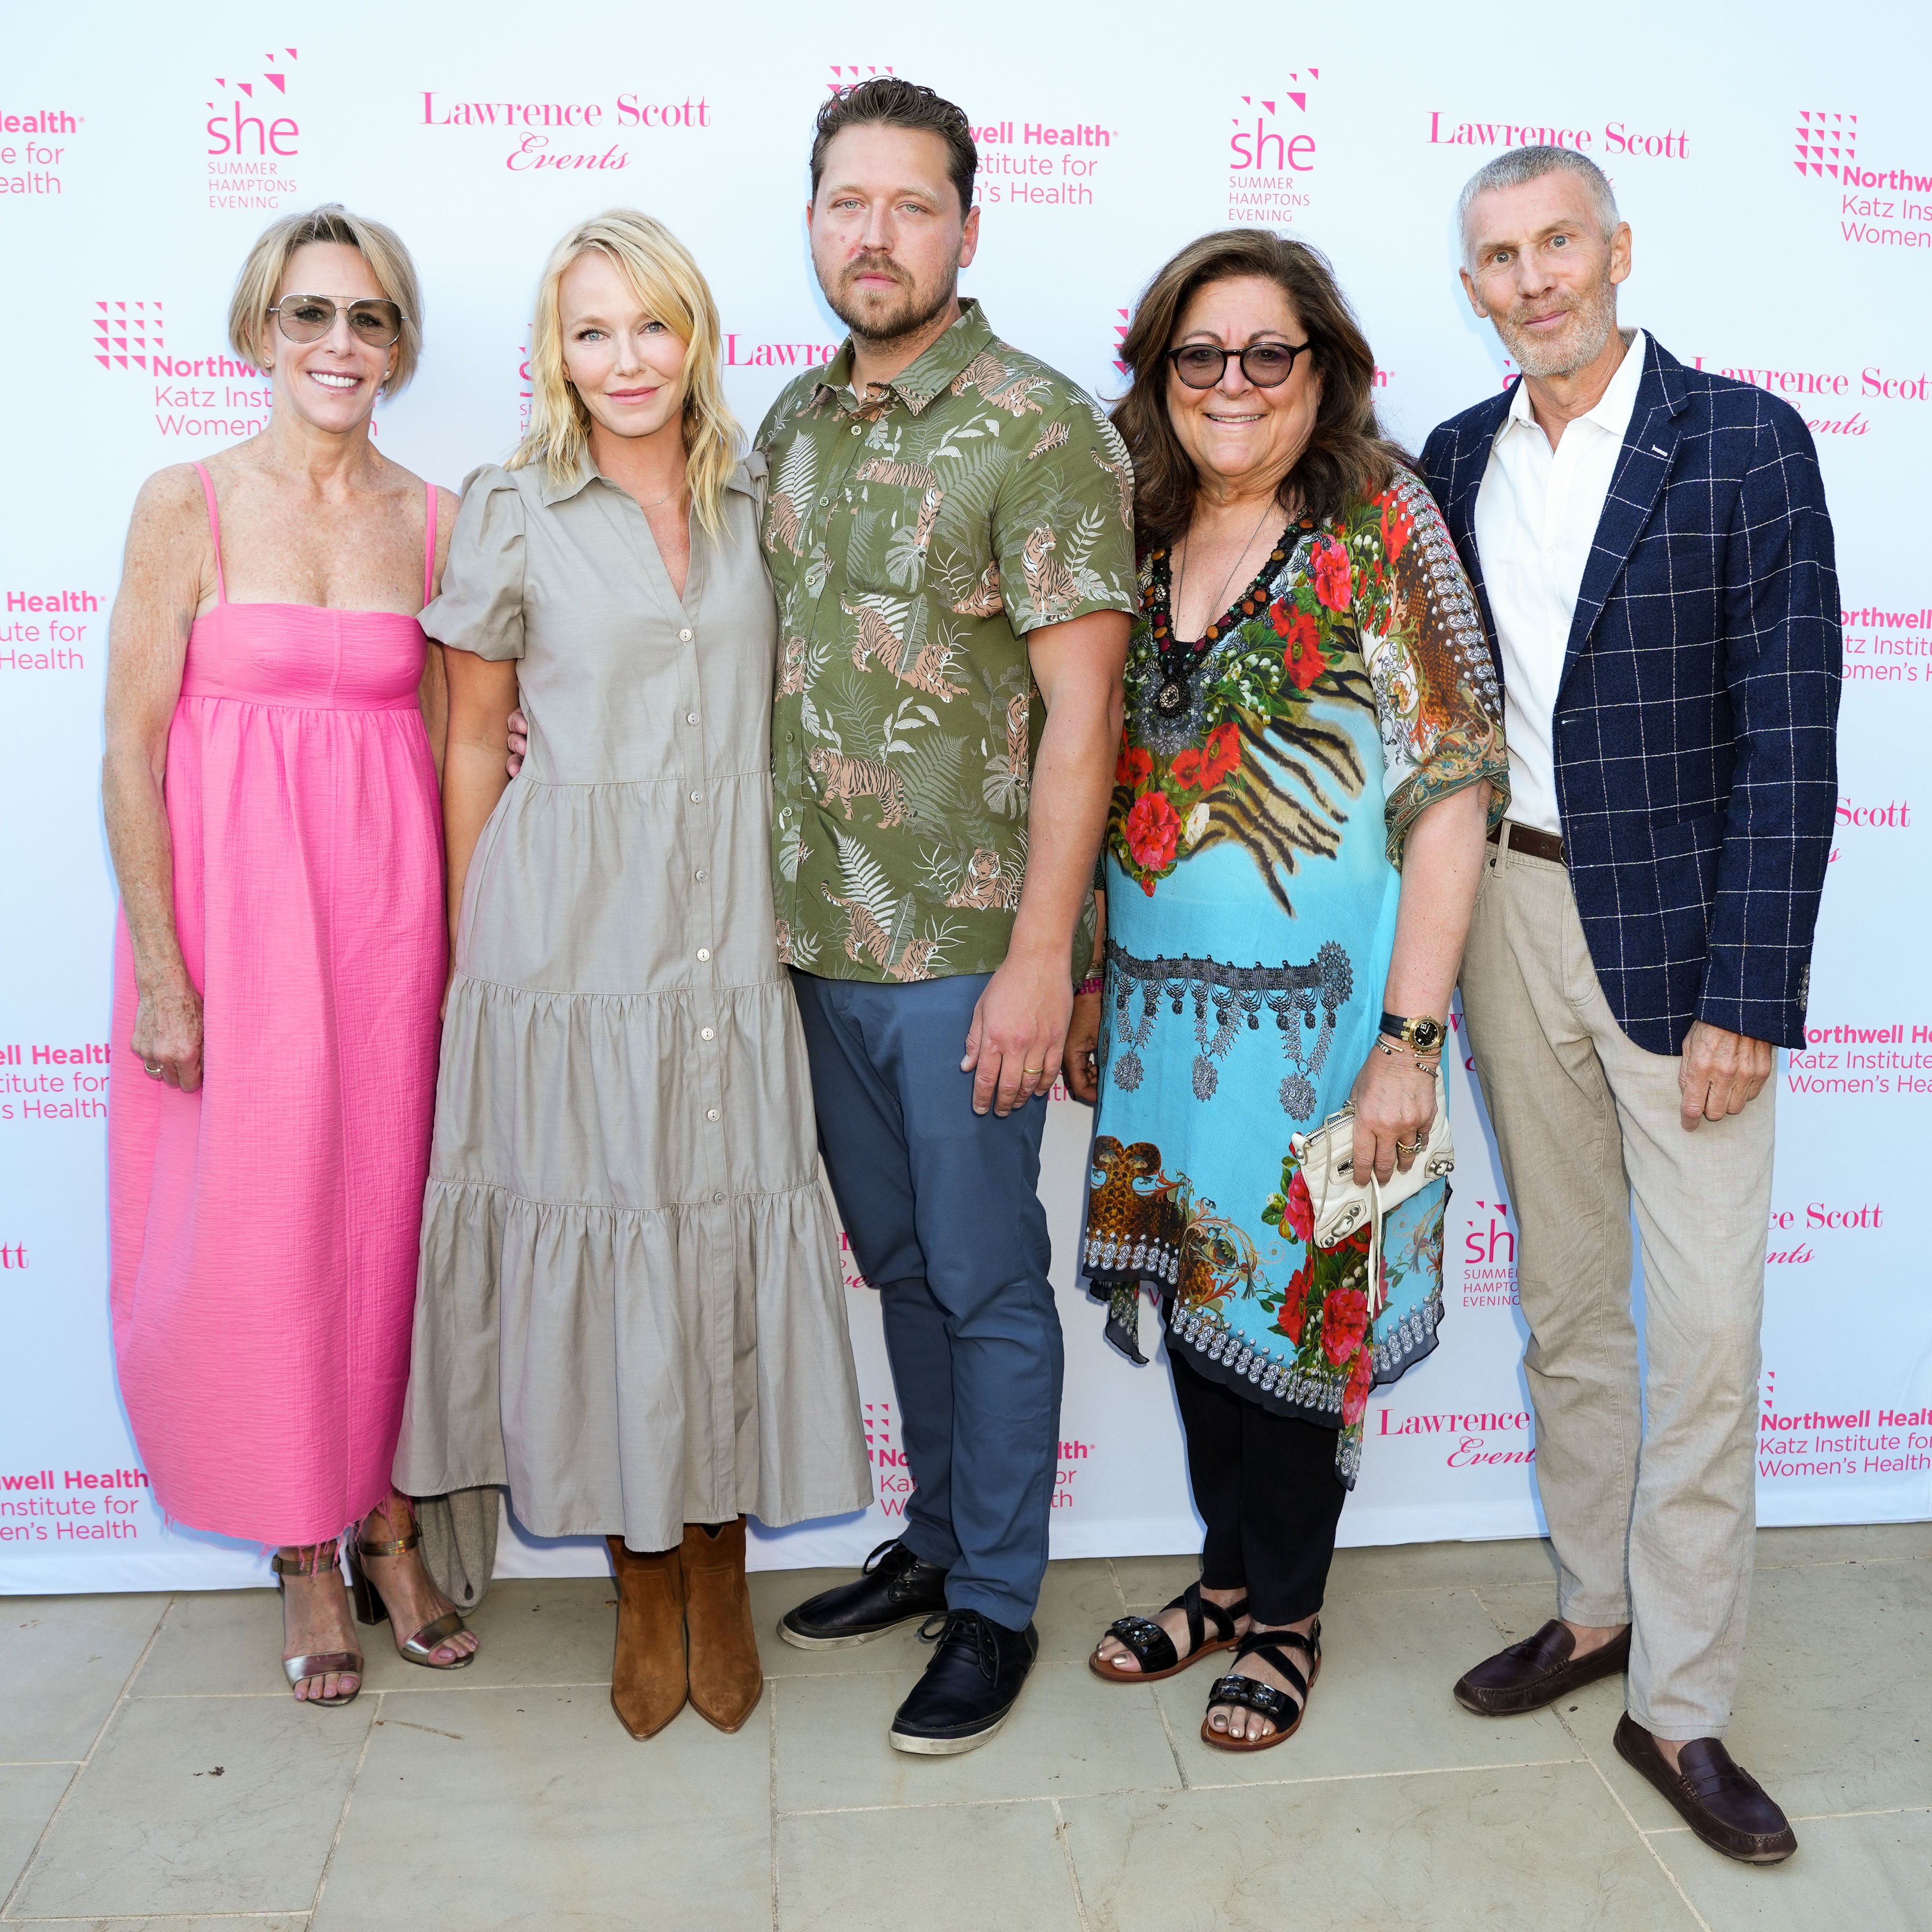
(1825, 142)
(245, 121)
(127, 333)
(1263, 139)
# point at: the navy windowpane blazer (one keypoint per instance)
(1697, 720)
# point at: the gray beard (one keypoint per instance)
(1597, 318)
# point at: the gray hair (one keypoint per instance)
(1528, 164)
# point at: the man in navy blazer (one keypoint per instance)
(1651, 549)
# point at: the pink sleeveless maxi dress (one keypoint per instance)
(264, 1229)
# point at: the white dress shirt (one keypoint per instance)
(1537, 514)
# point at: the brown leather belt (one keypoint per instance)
(1523, 839)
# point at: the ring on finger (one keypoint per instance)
(152, 1072)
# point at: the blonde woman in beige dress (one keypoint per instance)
(630, 1309)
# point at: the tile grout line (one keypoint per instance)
(1067, 1853)
(1807, 1818)
(1143, 1790)
(53, 1817)
(348, 1799)
(1373, 1776)
(159, 1919)
(1630, 1816)
(961, 1804)
(1173, 1749)
(1642, 1837)
(374, 1690)
(771, 1800)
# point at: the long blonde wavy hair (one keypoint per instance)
(668, 282)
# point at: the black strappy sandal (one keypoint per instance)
(1281, 1709)
(1152, 1648)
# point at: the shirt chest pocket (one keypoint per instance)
(897, 504)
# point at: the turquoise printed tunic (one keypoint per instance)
(1268, 776)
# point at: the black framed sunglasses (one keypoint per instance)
(309, 318)
(1266, 365)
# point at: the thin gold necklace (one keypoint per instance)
(1241, 559)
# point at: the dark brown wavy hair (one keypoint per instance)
(1348, 456)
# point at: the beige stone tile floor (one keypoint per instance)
(154, 1776)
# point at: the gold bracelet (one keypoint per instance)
(1396, 1052)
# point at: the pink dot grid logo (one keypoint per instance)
(127, 332)
(1825, 142)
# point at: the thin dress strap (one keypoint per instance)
(215, 529)
(429, 542)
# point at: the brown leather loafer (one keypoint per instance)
(1537, 1672)
(1714, 1795)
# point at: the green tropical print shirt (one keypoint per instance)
(916, 534)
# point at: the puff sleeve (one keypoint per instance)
(481, 606)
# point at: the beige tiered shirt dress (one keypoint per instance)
(630, 1308)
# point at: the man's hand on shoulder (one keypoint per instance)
(1721, 1073)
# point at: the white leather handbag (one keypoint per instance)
(1341, 1202)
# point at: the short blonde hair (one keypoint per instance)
(666, 278)
(258, 286)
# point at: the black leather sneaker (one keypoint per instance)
(894, 1588)
(970, 1687)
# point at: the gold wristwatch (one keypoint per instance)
(1422, 1034)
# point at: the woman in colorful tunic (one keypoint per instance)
(1299, 814)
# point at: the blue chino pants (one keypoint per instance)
(942, 1208)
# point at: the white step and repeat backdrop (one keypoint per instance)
(1776, 166)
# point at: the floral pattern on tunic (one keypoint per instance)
(1267, 779)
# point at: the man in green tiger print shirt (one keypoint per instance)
(949, 527)
(922, 532)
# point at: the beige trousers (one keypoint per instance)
(1652, 1525)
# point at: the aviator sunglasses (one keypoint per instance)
(1266, 365)
(309, 318)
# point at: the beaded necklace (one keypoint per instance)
(1179, 661)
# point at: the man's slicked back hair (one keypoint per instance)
(886, 101)
(1528, 164)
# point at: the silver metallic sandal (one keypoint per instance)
(309, 1561)
(370, 1609)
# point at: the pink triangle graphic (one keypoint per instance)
(102, 360)
(122, 360)
(247, 87)
(1300, 101)
(1315, 73)
(1269, 105)
(140, 361)
(281, 86)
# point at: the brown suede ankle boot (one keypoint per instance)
(647, 1680)
(726, 1676)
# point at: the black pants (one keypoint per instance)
(1266, 1487)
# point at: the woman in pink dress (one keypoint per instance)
(272, 805)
